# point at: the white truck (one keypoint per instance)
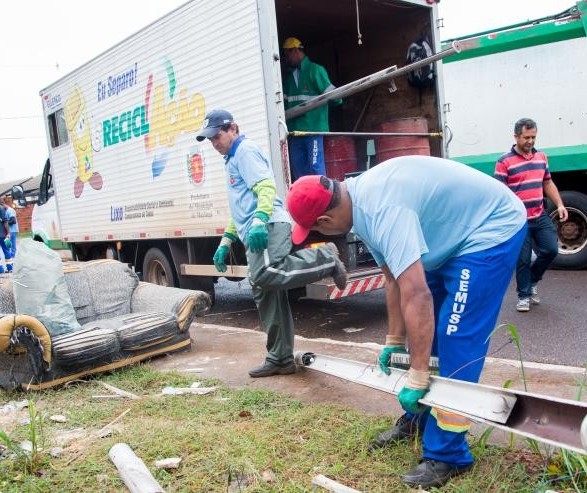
(534, 69)
(128, 179)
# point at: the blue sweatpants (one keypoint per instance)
(468, 292)
(306, 155)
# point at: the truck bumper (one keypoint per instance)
(360, 281)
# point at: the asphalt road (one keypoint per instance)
(553, 332)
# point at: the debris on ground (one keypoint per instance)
(193, 389)
(169, 463)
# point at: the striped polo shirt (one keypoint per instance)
(525, 177)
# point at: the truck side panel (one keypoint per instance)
(534, 70)
(132, 167)
(543, 82)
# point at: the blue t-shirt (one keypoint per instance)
(420, 207)
(11, 213)
(246, 165)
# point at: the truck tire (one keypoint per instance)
(157, 269)
(572, 234)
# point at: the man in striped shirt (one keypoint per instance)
(525, 171)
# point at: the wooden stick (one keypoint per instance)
(121, 392)
(118, 418)
(109, 396)
(331, 485)
(97, 434)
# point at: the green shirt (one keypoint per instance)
(312, 81)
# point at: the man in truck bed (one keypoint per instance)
(447, 238)
(305, 81)
(259, 219)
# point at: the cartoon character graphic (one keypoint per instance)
(76, 119)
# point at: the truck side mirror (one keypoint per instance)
(17, 193)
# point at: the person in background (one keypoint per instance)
(447, 238)
(5, 242)
(305, 81)
(524, 169)
(259, 220)
(12, 223)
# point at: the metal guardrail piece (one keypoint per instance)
(374, 79)
(558, 422)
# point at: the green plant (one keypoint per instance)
(27, 461)
(516, 339)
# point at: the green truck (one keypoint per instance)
(535, 69)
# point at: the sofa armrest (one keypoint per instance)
(185, 304)
(13, 326)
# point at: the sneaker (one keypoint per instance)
(339, 274)
(523, 305)
(534, 298)
(268, 369)
(430, 472)
(404, 429)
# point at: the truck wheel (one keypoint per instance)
(157, 269)
(572, 234)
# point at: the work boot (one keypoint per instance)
(523, 305)
(339, 274)
(268, 369)
(534, 298)
(405, 427)
(430, 472)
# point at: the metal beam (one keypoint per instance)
(301, 133)
(370, 81)
(210, 270)
(558, 422)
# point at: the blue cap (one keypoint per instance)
(213, 122)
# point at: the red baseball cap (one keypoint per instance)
(308, 198)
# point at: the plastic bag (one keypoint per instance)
(40, 289)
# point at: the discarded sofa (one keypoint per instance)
(118, 322)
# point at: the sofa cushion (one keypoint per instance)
(86, 347)
(100, 289)
(139, 331)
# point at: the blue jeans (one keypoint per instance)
(13, 236)
(543, 237)
(306, 155)
(7, 256)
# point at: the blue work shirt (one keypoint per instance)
(246, 165)
(432, 209)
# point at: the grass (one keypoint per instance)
(242, 437)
